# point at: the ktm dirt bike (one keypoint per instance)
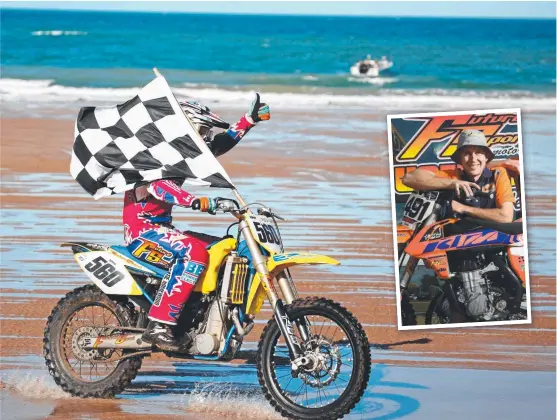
(479, 263)
(313, 357)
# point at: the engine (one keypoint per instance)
(482, 293)
(211, 317)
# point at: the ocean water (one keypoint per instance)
(71, 56)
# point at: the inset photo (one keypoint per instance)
(459, 219)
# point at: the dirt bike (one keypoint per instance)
(472, 258)
(313, 357)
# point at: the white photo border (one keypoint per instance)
(528, 320)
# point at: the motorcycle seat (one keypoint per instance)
(513, 228)
(210, 240)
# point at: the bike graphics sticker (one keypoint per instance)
(443, 239)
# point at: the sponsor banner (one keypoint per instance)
(428, 141)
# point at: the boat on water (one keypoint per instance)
(369, 67)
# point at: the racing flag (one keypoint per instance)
(145, 139)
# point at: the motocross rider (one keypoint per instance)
(473, 155)
(150, 236)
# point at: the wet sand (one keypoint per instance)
(336, 194)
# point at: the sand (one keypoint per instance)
(42, 148)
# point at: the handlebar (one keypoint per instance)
(264, 211)
(227, 205)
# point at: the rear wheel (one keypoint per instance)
(86, 312)
(334, 380)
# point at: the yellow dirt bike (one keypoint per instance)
(313, 357)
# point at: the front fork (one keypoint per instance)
(287, 289)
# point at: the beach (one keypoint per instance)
(333, 186)
(322, 162)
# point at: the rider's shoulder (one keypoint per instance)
(499, 171)
(509, 166)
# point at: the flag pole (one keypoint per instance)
(234, 190)
(239, 197)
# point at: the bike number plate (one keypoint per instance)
(418, 207)
(108, 272)
(265, 233)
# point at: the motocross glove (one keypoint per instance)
(205, 204)
(258, 111)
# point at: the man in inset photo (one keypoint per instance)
(457, 219)
(473, 155)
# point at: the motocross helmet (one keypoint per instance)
(202, 117)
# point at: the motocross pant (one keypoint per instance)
(185, 257)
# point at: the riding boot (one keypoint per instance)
(161, 335)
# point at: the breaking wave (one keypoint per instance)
(380, 81)
(58, 33)
(18, 93)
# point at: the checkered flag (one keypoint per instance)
(145, 139)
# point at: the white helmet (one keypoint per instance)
(203, 118)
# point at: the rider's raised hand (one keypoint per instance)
(259, 111)
(465, 187)
(205, 204)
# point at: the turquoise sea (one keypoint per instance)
(61, 56)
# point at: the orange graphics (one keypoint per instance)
(446, 129)
(439, 264)
(403, 234)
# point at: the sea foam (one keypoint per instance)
(42, 92)
(58, 33)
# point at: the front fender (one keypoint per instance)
(276, 264)
(279, 262)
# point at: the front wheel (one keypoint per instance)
(335, 380)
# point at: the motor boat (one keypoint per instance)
(369, 67)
